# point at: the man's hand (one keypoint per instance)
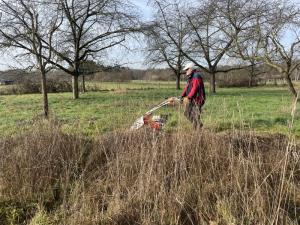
(186, 101)
(181, 99)
(171, 101)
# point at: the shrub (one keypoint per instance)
(27, 87)
(57, 86)
(31, 87)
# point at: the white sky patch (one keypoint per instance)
(9, 61)
(144, 9)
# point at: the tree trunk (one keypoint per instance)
(75, 87)
(178, 80)
(83, 84)
(297, 75)
(45, 94)
(250, 81)
(251, 76)
(212, 87)
(291, 85)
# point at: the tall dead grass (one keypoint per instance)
(146, 178)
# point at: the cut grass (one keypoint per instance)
(262, 108)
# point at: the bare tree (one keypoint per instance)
(89, 27)
(23, 26)
(277, 53)
(249, 52)
(274, 48)
(161, 49)
(220, 24)
(214, 25)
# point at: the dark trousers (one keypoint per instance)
(192, 112)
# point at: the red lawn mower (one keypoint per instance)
(150, 120)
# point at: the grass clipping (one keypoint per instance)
(145, 178)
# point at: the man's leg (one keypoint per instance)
(195, 117)
(192, 113)
(188, 111)
(198, 123)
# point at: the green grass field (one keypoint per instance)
(263, 109)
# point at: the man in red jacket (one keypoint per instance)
(193, 95)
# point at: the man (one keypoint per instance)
(193, 95)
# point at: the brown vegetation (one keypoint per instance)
(148, 178)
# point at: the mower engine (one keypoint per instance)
(155, 122)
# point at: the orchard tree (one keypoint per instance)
(161, 49)
(23, 27)
(269, 36)
(213, 25)
(89, 27)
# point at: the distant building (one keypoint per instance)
(6, 82)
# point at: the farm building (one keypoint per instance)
(6, 82)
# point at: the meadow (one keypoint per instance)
(85, 167)
(116, 105)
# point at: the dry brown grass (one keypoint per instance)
(145, 178)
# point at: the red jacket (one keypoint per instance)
(194, 89)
